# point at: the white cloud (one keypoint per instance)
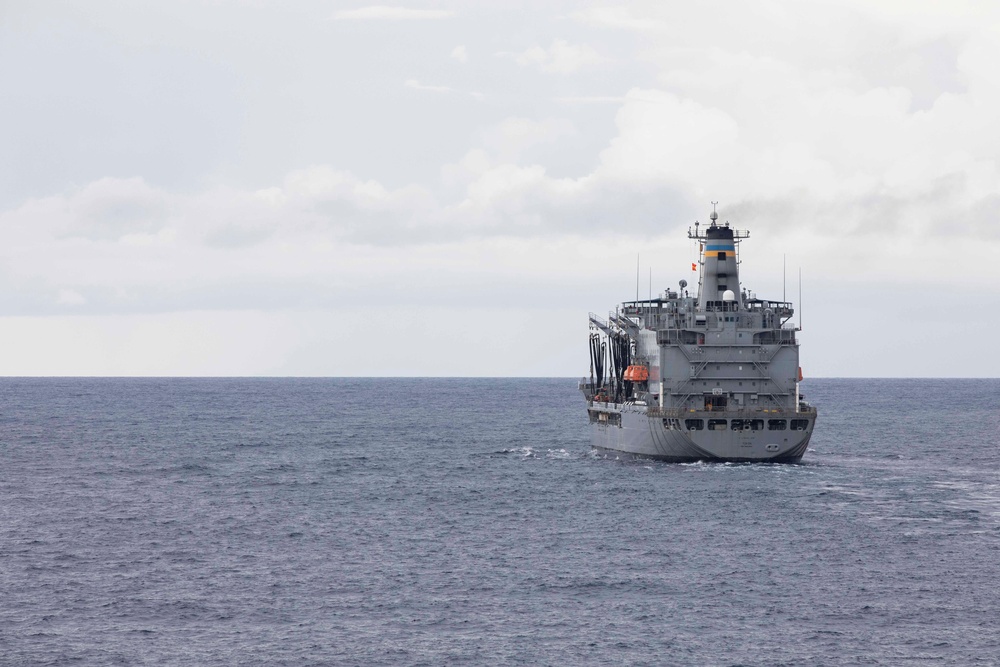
(384, 13)
(857, 135)
(560, 58)
(619, 18)
(472, 165)
(416, 85)
(667, 139)
(111, 208)
(516, 238)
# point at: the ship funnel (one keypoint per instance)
(719, 286)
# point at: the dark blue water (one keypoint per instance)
(429, 522)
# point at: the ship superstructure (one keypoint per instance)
(707, 377)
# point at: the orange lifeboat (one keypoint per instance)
(636, 374)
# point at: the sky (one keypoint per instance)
(240, 187)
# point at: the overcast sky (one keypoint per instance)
(235, 187)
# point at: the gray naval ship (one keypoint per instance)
(712, 377)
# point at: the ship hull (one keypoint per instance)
(637, 431)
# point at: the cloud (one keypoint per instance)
(384, 13)
(112, 208)
(665, 138)
(857, 135)
(560, 58)
(416, 85)
(620, 18)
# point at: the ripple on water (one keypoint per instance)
(400, 521)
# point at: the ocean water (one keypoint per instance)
(466, 521)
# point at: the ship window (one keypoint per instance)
(716, 424)
(694, 424)
(722, 256)
(737, 424)
(800, 424)
(754, 424)
(776, 424)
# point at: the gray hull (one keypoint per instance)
(638, 431)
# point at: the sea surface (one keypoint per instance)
(468, 522)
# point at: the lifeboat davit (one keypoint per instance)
(636, 374)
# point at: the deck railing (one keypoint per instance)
(731, 412)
